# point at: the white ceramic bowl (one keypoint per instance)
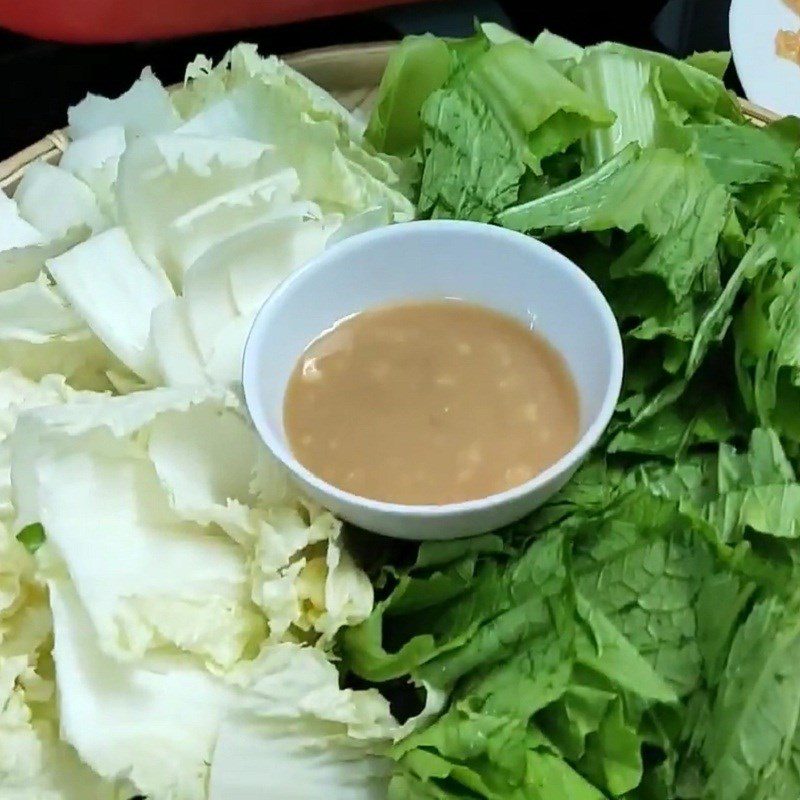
(483, 264)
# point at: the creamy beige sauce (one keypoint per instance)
(430, 403)
(787, 45)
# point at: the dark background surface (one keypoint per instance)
(41, 79)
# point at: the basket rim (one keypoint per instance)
(307, 61)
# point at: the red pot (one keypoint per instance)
(89, 21)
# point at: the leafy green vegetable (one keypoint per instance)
(755, 715)
(557, 49)
(768, 350)
(630, 87)
(739, 154)
(32, 537)
(467, 754)
(637, 636)
(695, 90)
(418, 67)
(670, 196)
(588, 644)
(488, 109)
(713, 63)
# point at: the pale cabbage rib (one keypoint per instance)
(54, 201)
(20, 265)
(293, 761)
(118, 300)
(15, 231)
(40, 332)
(34, 312)
(174, 348)
(194, 232)
(225, 286)
(162, 178)
(95, 160)
(335, 169)
(220, 594)
(170, 471)
(145, 108)
(164, 582)
(34, 764)
(153, 722)
(156, 721)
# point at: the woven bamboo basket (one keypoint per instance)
(351, 73)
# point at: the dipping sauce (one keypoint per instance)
(787, 45)
(430, 403)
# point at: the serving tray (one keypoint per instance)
(350, 72)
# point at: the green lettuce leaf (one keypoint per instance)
(557, 49)
(637, 636)
(768, 350)
(514, 107)
(481, 608)
(469, 754)
(714, 63)
(739, 154)
(699, 92)
(630, 87)
(417, 67)
(657, 189)
(755, 714)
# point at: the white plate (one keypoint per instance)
(768, 81)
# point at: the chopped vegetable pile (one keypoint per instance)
(639, 636)
(168, 605)
(177, 623)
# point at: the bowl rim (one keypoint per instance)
(565, 465)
